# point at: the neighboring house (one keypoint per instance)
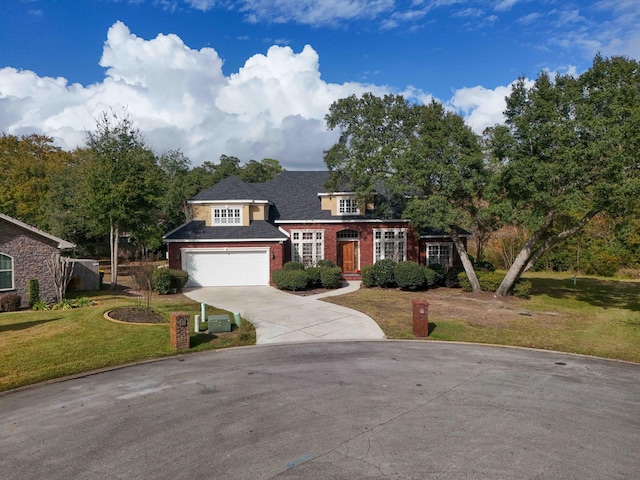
(24, 253)
(242, 232)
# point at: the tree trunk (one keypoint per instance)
(61, 270)
(550, 242)
(113, 245)
(529, 255)
(466, 263)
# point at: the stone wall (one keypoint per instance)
(30, 253)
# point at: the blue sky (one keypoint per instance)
(254, 78)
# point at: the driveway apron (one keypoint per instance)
(281, 317)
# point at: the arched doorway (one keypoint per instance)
(348, 242)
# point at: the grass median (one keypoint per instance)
(39, 346)
(594, 316)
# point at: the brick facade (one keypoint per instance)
(365, 240)
(30, 253)
(281, 252)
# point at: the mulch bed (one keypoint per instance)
(136, 315)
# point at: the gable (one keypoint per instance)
(9, 225)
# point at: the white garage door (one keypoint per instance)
(226, 267)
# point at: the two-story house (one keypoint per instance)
(241, 232)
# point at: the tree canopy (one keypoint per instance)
(426, 159)
(567, 151)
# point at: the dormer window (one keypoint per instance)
(348, 206)
(227, 216)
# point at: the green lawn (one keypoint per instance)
(595, 316)
(38, 346)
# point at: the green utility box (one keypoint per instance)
(218, 323)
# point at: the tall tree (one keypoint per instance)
(177, 189)
(122, 186)
(257, 172)
(420, 153)
(28, 163)
(568, 150)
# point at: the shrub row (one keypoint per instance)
(294, 276)
(490, 281)
(406, 275)
(163, 280)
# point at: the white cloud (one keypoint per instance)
(201, 4)
(274, 106)
(480, 107)
(313, 12)
(505, 5)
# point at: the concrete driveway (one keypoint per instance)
(281, 317)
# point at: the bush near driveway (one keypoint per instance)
(295, 277)
(293, 280)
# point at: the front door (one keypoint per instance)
(347, 256)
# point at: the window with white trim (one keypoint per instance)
(390, 243)
(307, 246)
(348, 206)
(6, 272)
(227, 216)
(440, 253)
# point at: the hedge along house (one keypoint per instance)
(241, 232)
(24, 253)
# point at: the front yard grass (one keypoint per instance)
(596, 316)
(38, 346)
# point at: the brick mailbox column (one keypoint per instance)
(179, 330)
(420, 318)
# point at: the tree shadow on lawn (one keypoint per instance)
(23, 326)
(594, 291)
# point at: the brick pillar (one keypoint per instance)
(179, 330)
(420, 318)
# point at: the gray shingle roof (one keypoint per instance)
(197, 231)
(294, 196)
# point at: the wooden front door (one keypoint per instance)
(347, 256)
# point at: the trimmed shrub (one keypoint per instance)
(290, 279)
(409, 275)
(10, 302)
(383, 271)
(489, 281)
(522, 288)
(292, 265)
(178, 279)
(484, 266)
(325, 263)
(451, 279)
(313, 273)
(161, 281)
(439, 269)
(368, 276)
(331, 277)
(33, 292)
(431, 277)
